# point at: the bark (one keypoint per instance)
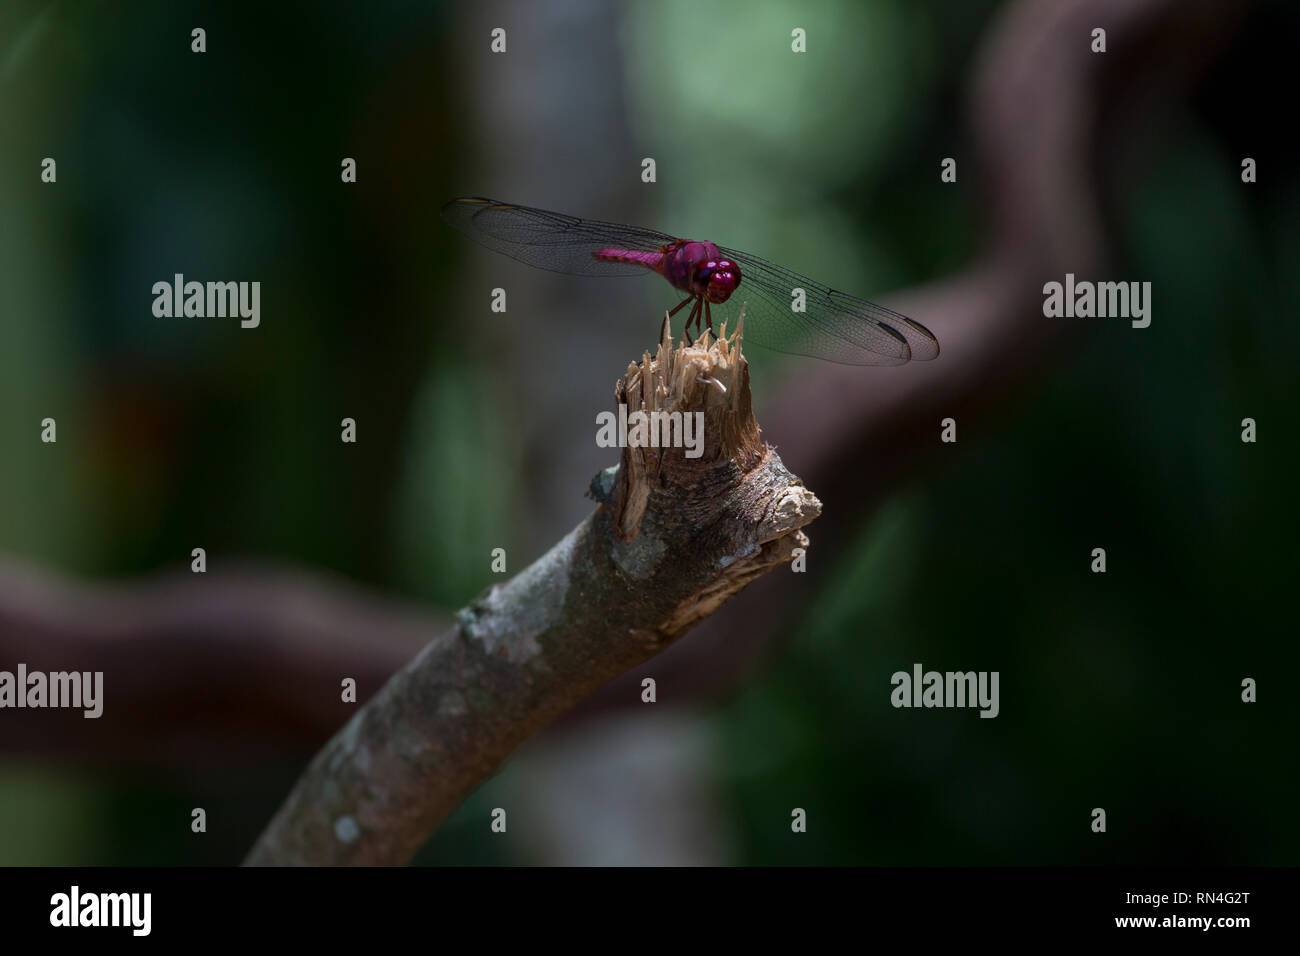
(672, 538)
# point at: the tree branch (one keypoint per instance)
(672, 539)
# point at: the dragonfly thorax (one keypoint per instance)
(700, 269)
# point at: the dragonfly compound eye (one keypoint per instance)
(723, 281)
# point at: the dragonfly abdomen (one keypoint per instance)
(653, 261)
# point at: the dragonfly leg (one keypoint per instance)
(678, 307)
(708, 317)
(693, 317)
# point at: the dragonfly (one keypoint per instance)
(783, 310)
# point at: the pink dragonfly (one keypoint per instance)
(831, 326)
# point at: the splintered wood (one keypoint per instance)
(701, 390)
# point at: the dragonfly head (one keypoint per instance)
(721, 276)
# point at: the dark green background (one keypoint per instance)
(1120, 691)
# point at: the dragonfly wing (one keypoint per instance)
(833, 326)
(550, 240)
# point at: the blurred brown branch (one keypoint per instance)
(200, 669)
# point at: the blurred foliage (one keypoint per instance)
(809, 160)
(1118, 691)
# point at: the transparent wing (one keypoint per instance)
(834, 326)
(549, 240)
